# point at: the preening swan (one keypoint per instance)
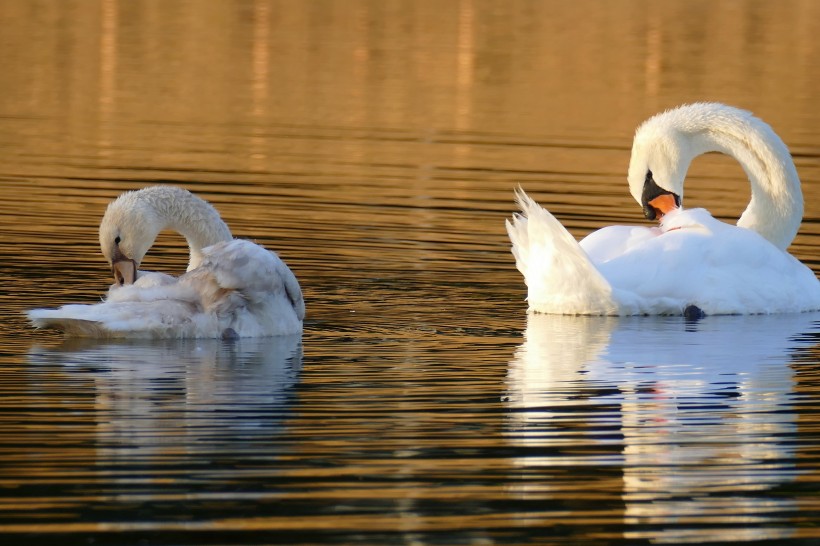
(233, 287)
(691, 259)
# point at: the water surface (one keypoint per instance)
(375, 146)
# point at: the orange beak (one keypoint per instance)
(663, 204)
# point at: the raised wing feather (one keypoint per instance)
(239, 272)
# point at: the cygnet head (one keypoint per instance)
(661, 154)
(128, 229)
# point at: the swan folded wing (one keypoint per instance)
(758, 277)
(723, 269)
(560, 276)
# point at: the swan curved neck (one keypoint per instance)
(193, 218)
(776, 208)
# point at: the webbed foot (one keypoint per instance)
(693, 312)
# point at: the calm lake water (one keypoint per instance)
(375, 145)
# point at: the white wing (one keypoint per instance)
(239, 272)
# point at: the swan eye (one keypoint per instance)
(648, 177)
(117, 240)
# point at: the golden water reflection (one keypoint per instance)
(699, 409)
(375, 145)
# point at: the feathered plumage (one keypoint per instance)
(691, 259)
(233, 287)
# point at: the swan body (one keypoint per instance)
(690, 259)
(233, 288)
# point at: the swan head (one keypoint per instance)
(128, 229)
(661, 154)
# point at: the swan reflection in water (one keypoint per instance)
(152, 397)
(703, 409)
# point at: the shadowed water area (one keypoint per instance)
(375, 146)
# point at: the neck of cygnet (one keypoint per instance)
(194, 219)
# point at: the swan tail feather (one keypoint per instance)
(73, 327)
(559, 275)
(109, 320)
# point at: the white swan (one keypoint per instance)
(233, 288)
(692, 263)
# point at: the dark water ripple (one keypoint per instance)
(376, 147)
